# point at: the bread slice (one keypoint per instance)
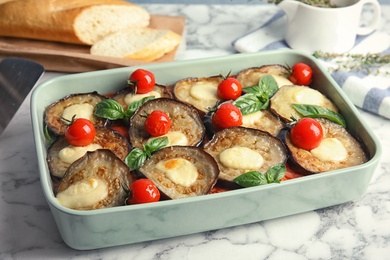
(144, 44)
(74, 21)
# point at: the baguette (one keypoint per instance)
(144, 44)
(74, 21)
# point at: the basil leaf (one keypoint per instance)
(109, 109)
(248, 104)
(250, 179)
(276, 173)
(268, 86)
(135, 158)
(155, 144)
(255, 90)
(133, 106)
(315, 111)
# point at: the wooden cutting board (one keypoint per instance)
(62, 57)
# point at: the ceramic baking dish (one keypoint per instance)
(130, 224)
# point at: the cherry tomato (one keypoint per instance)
(229, 88)
(143, 191)
(306, 134)
(301, 74)
(157, 123)
(81, 132)
(143, 80)
(227, 115)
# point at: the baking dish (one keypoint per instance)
(137, 223)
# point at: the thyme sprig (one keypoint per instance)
(318, 3)
(368, 63)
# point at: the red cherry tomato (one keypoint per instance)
(157, 123)
(306, 134)
(227, 115)
(81, 132)
(143, 191)
(143, 80)
(229, 88)
(301, 74)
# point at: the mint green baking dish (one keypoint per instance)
(131, 224)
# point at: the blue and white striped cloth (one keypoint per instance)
(368, 91)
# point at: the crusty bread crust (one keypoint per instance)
(55, 20)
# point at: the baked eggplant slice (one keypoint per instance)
(281, 102)
(126, 95)
(338, 149)
(187, 128)
(181, 171)
(238, 150)
(61, 154)
(263, 120)
(250, 77)
(97, 180)
(198, 92)
(81, 105)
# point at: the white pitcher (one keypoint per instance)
(311, 28)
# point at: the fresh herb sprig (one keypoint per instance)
(112, 110)
(318, 3)
(257, 97)
(138, 156)
(256, 178)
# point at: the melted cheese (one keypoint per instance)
(174, 138)
(330, 149)
(305, 95)
(251, 119)
(130, 98)
(281, 81)
(79, 111)
(241, 158)
(70, 153)
(179, 171)
(204, 90)
(83, 193)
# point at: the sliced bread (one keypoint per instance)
(74, 21)
(144, 44)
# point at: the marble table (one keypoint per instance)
(359, 229)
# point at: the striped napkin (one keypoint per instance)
(367, 89)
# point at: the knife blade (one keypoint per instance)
(17, 77)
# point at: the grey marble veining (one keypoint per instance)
(359, 229)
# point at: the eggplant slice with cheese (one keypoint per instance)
(181, 171)
(126, 96)
(238, 150)
(338, 149)
(282, 100)
(198, 92)
(186, 129)
(263, 120)
(80, 105)
(250, 77)
(97, 180)
(61, 154)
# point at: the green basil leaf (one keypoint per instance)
(109, 109)
(155, 144)
(248, 103)
(276, 173)
(250, 179)
(255, 90)
(133, 106)
(135, 158)
(315, 111)
(268, 86)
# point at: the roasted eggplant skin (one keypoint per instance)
(250, 77)
(105, 137)
(105, 165)
(184, 118)
(53, 113)
(303, 162)
(269, 147)
(205, 164)
(120, 96)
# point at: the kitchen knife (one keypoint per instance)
(17, 77)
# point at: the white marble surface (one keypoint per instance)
(358, 229)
